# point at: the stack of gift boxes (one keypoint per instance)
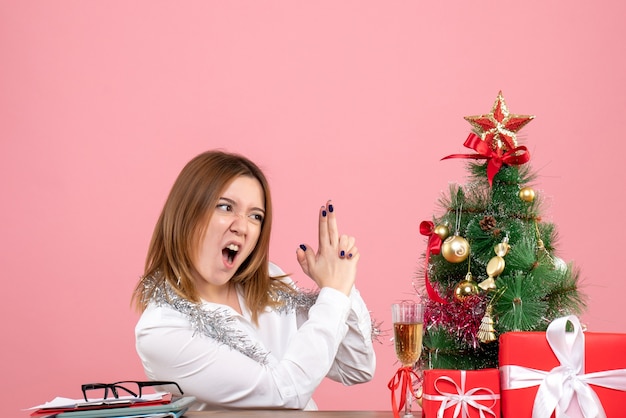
(563, 372)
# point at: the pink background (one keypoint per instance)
(103, 102)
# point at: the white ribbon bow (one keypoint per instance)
(558, 386)
(463, 400)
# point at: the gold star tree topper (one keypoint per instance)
(499, 128)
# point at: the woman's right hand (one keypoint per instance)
(335, 262)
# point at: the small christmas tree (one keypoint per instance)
(490, 264)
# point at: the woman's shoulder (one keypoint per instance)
(160, 314)
(275, 270)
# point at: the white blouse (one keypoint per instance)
(333, 340)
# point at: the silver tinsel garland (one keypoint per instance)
(218, 324)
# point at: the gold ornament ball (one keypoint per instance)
(442, 231)
(455, 249)
(464, 289)
(527, 194)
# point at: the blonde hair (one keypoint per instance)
(184, 219)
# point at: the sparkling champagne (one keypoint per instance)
(408, 341)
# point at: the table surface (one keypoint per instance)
(295, 414)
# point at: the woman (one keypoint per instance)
(226, 324)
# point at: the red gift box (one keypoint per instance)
(461, 393)
(574, 372)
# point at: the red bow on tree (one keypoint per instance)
(496, 158)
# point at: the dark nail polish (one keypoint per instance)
(324, 213)
(303, 247)
(330, 208)
(343, 253)
(350, 255)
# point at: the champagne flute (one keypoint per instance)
(408, 320)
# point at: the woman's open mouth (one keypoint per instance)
(230, 253)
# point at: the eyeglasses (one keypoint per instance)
(131, 387)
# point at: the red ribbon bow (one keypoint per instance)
(434, 247)
(496, 158)
(402, 379)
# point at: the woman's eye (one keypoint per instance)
(225, 207)
(257, 217)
